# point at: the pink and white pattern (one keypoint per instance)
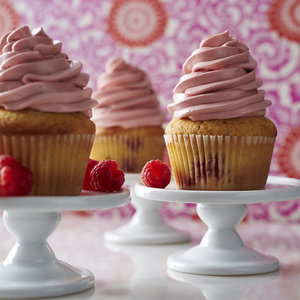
(289, 154)
(9, 18)
(135, 23)
(284, 17)
(81, 26)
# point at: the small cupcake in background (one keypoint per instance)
(45, 110)
(219, 138)
(128, 118)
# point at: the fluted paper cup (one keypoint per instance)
(205, 162)
(130, 151)
(58, 161)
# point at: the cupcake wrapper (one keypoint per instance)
(58, 162)
(130, 151)
(204, 162)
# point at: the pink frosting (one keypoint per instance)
(219, 82)
(35, 74)
(126, 98)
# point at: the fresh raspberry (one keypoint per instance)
(87, 178)
(15, 180)
(105, 177)
(7, 160)
(156, 174)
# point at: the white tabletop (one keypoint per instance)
(139, 272)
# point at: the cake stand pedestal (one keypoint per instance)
(146, 227)
(222, 251)
(31, 269)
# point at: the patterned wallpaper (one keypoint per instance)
(158, 35)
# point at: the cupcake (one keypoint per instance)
(45, 111)
(128, 117)
(219, 137)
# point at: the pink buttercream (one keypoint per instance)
(219, 82)
(126, 98)
(35, 74)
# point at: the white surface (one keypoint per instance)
(148, 281)
(147, 226)
(140, 273)
(31, 269)
(222, 251)
(223, 287)
(277, 189)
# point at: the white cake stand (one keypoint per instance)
(146, 227)
(31, 269)
(222, 251)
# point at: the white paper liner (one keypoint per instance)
(58, 162)
(207, 162)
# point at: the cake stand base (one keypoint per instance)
(56, 280)
(222, 251)
(146, 227)
(145, 234)
(238, 262)
(31, 269)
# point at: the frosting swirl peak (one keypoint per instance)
(126, 98)
(35, 74)
(219, 82)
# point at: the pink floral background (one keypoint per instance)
(158, 36)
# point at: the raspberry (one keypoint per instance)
(15, 180)
(7, 160)
(105, 177)
(156, 174)
(87, 178)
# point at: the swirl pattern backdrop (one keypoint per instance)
(158, 35)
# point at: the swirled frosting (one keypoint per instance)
(219, 82)
(126, 98)
(35, 74)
